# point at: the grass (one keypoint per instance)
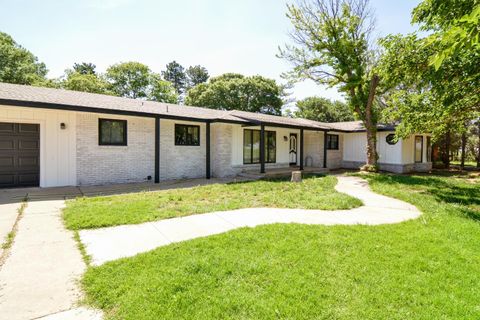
(313, 193)
(8, 242)
(422, 269)
(467, 163)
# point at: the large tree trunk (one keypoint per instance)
(464, 145)
(371, 125)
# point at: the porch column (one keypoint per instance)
(157, 150)
(301, 149)
(207, 144)
(262, 148)
(325, 149)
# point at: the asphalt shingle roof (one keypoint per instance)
(67, 99)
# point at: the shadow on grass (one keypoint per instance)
(280, 179)
(443, 190)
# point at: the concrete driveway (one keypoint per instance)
(39, 273)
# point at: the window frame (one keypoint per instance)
(177, 125)
(116, 144)
(329, 142)
(390, 141)
(429, 149)
(415, 150)
(267, 154)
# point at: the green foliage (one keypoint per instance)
(237, 92)
(331, 47)
(84, 68)
(196, 75)
(420, 269)
(426, 99)
(86, 82)
(18, 65)
(455, 24)
(161, 90)
(175, 74)
(129, 79)
(323, 110)
(141, 207)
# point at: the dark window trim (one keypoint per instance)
(415, 150)
(186, 125)
(390, 139)
(329, 147)
(125, 135)
(429, 149)
(266, 145)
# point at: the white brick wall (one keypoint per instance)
(221, 150)
(180, 162)
(314, 150)
(114, 164)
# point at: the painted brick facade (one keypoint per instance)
(181, 162)
(221, 150)
(114, 164)
(314, 151)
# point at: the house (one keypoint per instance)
(51, 137)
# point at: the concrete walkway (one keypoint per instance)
(112, 243)
(39, 275)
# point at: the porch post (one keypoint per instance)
(207, 144)
(325, 149)
(301, 149)
(262, 148)
(157, 150)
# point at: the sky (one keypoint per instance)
(240, 36)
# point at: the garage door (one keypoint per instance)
(19, 154)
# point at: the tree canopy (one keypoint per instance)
(18, 65)
(323, 110)
(196, 75)
(331, 46)
(84, 68)
(428, 98)
(235, 91)
(129, 79)
(175, 74)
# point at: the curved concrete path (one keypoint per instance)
(112, 243)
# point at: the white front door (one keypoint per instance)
(293, 149)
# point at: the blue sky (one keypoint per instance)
(224, 36)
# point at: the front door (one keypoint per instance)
(293, 149)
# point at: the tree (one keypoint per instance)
(129, 79)
(437, 99)
(237, 92)
(175, 74)
(323, 110)
(455, 23)
(18, 65)
(332, 47)
(85, 82)
(196, 75)
(84, 68)
(161, 90)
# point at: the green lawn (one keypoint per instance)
(467, 163)
(315, 192)
(422, 269)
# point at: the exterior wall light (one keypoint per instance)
(63, 126)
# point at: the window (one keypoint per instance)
(418, 148)
(187, 135)
(251, 146)
(112, 132)
(391, 139)
(332, 141)
(429, 149)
